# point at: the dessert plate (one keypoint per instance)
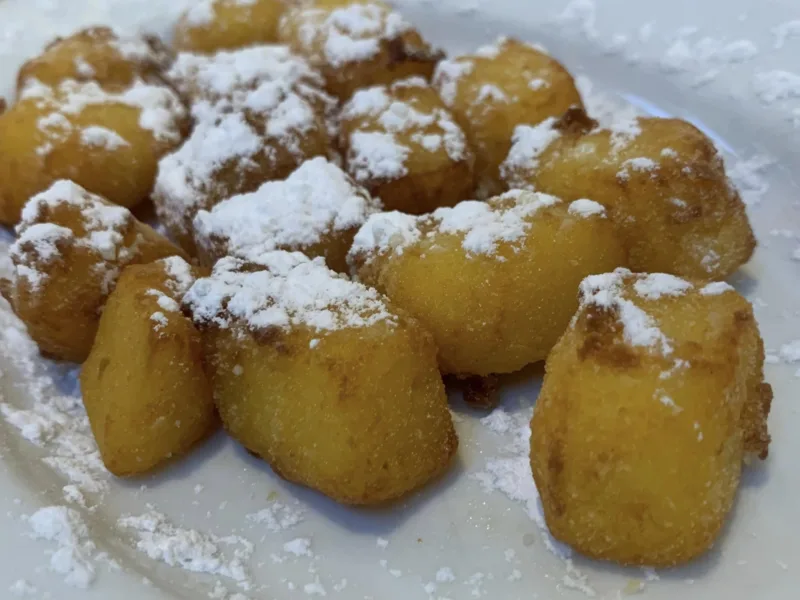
(221, 525)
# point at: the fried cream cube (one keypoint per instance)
(662, 181)
(211, 25)
(403, 145)
(97, 54)
(356, 43)
(260, 113)
(494, 282)
(650, 401)
(322, 378)
(107, 142)
(71, 248)
(146, 395)
(500, 86)
(317, 210)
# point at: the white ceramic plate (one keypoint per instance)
(721, 64)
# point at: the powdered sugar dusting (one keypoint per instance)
(317, 201)
(189, 549)
(375, 156)
(586, 208)
(75, 550)
(96, 136)
(485, 226)
(528, 143)
(278, 516)
(639, 329)
(266, 79)
(382, 110)
(103, 228)
(186, 176)
(291, 290)
(658, 285)
(160, 110)
(386, 232)
(346, 34)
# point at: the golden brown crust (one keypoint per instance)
(609, 408)
(665, 187)
(98, 54)
(146, 394)
(527, 86)
(399, 54)
(233, 25)
(62, 310)
(361, 432)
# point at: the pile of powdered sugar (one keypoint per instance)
(314, 204)
(346, 34)
(290, 290)
(255, 109)
(268, 80)
(101, 230)
(376, 116)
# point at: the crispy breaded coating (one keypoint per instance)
(211, 25)
(494, 282)
(97, 54)
(651, 400)
(662, 181)
(72, 247)
(356, 43)
(107, 142)
(146, 395)
(403, 145)
(323, 378)
(498, 87)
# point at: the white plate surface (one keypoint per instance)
(725, 65)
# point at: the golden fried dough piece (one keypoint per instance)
(662, 181)
(322, 378)
(260, 112)
(107, 142)
(356, 43)
(97, 54)
(651, 400)
(500, 86)
(402, 144)
(211, 25)
(146, 395)
(494, 282)
(317, 210)
(71, 249)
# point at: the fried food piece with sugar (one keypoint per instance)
(146, 395)
(322, 378)
(494, 282)
(317, 210)
(498, 87)
(211, 25)
(651, 400)
(357, 43)
(97, 54)
(662, 181)
(260, 113)
(403, 145)
(107, 142)
(72, 247)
